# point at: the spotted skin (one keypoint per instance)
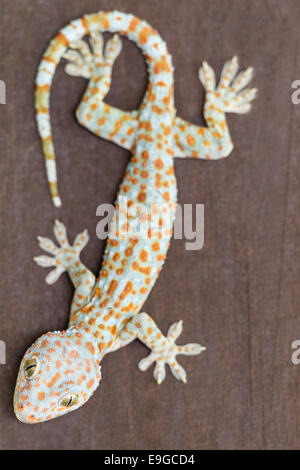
(105, 312)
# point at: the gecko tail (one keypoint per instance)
(139, 31)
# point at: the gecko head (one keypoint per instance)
(58, 374)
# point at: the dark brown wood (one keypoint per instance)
(239, 295)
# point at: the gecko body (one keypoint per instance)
(61, 370)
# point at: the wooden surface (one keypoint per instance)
(239, 295)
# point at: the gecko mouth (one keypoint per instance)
(19, 409)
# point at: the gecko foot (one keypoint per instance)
(83, 60)
(230, 96)
(64, 256)
(167, 355)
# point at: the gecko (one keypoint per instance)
(61, 370)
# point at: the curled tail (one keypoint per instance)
(139, 31)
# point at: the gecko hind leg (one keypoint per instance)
(89, 62)
(96, 64)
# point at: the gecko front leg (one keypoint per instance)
(67, 258)
(163, 348)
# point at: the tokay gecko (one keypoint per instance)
(61, 370)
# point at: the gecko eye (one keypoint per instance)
(69, 400)
(31, 368)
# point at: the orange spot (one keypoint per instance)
(158, 163)
(101, 121)
(73, 354)
(144, 256)
(53, 380)
(157, 109)
(85, 24)
(126, 189)
(162, 66)
(133, 24)
(130, 131)
(49, 59)
(141, 197)
(144, 34)
(112, 287)
(42, 88)
(128, 251)
(90, 347)
(155, 246)
(143, 290)
(113, 329)
(104, 20)
(90, 383)
(41, 396)
(190, 140)
(201, 131)
(62, 39)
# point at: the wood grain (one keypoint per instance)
(239, 295)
